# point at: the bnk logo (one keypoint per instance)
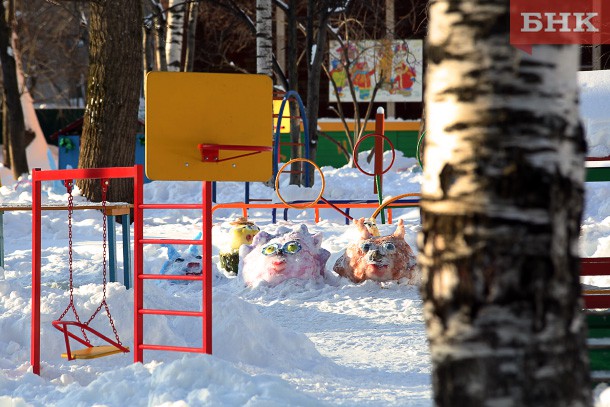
(562, 22)
(558, 22)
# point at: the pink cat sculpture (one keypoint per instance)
(378, 258)
(275, 258)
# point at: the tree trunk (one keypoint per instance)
(317, 19)
(191, 36)
(6, 152)
(159, 36)
(148, 50)
(113, 89)
(264, 37)
(11, 96)
(148, 38)
(293, 81)
(175, 28)
(502, 201)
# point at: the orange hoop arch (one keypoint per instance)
(389, 201)
(302, 206)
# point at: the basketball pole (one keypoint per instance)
(206, 301)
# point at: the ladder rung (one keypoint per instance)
(170, 241)
(290, 144)
(172, 348)
(260, 200)
(198, 277)
(172, 312)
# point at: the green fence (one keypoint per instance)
(330, 154)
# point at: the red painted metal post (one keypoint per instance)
(56, 175)
(36, 245)
(138, 265)
(206, 200)
(379, 129)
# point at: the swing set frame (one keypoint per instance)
(90, 351)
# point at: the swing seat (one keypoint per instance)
(95, 352)
(90, 352)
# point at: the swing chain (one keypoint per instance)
(105, 183)
(69, 184)
(104, 235)
(70, 258)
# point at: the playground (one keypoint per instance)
(301, 342)
(305, 343)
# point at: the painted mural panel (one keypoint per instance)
(397, 65)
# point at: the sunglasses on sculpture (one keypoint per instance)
(386, 247)
(291, 247)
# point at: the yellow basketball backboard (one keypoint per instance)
(208, 127)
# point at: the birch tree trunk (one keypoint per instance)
(191, 36)
(159, 40)
(502, 201)
(264, 37)
(174, 34)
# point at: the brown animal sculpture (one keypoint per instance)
(381, 258)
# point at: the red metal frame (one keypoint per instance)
(379, 129)
(137, 173)
(596, 266)
(36, 249)
(38, 176)
(606, 158)
(205, 277)
(206, 195)
(138, 266)
(245, 206)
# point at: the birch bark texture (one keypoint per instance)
(174, 34)
(264, 37)
(502, 201)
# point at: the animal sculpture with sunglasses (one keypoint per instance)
(378, 258)
(291, 253)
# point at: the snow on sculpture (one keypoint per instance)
(187, 262)
(291, 253)
(381, 258)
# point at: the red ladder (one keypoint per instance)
(205, 277)
(595, 266)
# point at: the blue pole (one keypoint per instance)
(126, 251)
(111, 248)
(276, 139)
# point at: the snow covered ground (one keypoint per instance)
(324, 343)
(297, 344)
